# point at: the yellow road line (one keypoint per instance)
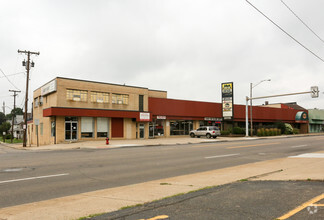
(319, 205)
(255, 145)
(160, 217)
(209, 145)
(301, 207)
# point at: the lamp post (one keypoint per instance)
(251, 87)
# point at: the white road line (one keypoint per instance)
(305, 145)
(33, 178)
(309, 155)
(226, 155)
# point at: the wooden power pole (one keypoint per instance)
(28, 65)
(13, 113)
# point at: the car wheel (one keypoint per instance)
(208, 135)
(192, 135)
(215, 137)
(198, 136)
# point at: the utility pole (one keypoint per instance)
(4, 108)
(13, 113)
(28, 65)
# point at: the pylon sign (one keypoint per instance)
(227, 100)
(314, 91)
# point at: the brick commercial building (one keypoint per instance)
(66, 110)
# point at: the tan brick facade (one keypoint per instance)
(123, 102)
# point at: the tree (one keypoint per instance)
(2, 118)
(16, 111)
(5, 127)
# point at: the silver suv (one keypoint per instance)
(208, 131)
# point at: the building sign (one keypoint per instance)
(212, 119)
(301, 117)
(161, 117)
(227, 100)
(145, 116)
(48, 88)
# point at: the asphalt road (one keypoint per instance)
(27, 176)
(240, 200)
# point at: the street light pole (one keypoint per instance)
(251, 87)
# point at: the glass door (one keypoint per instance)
(74, 133)
(71, 130)
(141, 130)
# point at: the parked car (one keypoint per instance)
(208, 131)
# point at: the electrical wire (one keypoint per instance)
(302, 21)
(321, 59)
(9, 80)
(13, 74)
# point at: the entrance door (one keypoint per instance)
(141, 130)
(71, 130)
(151, 130)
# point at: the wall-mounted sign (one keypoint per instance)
(212, 119)
(161, 117)
(49, 88)
(301, 117)
(145, 116)
(227, 100)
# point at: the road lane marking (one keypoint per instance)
(160, 217)
(305, 145)
(226, 155)
(209, 145)
(33, 178)
(310, 155)
(255, 145)
(302, 206)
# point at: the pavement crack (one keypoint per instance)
(264, 174)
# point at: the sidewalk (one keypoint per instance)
(112, 199)
(101, 144)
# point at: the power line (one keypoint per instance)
(302, 21)
(321, 59)
(8, 79)
(13, 74)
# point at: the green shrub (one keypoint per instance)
(295, 131)
(266, 132)
(259, 132)
(288, 129)
(238, 130)
(271, 132)
(281, 126)
(225, 132)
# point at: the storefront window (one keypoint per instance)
(210, 123)
(102, 127)
(180, 127)
(156, 128)
(86, 127)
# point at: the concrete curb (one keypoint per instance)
(97, 145)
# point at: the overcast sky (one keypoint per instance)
(185, 47)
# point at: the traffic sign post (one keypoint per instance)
(314, 92)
